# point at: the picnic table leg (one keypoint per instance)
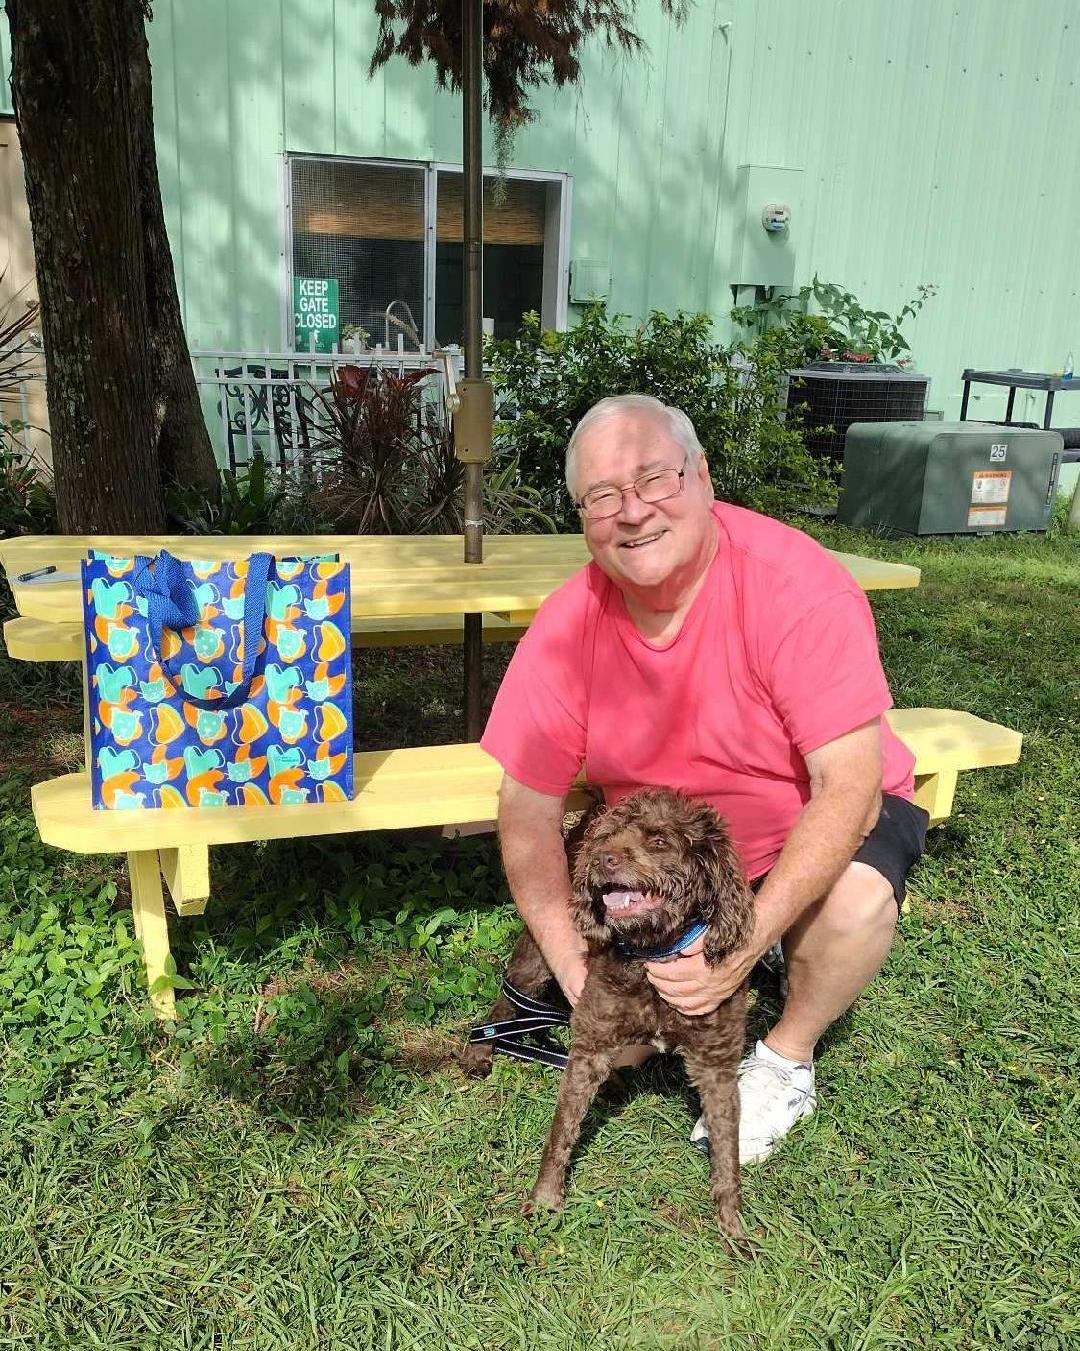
(187, 875)
(934, 793)
(151, 927)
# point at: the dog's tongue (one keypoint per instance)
(621, 900)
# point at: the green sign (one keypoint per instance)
(315, 311)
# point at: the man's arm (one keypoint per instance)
(534, 858)
(845, 798)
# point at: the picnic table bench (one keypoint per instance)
(404, 590)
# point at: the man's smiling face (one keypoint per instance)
(646, 545)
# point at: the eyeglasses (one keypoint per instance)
(599, 504)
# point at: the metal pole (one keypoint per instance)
(472, 76)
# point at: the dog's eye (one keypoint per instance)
(658, 842)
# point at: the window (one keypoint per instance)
(390, 235)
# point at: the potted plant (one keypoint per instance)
(855, 364)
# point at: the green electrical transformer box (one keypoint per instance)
(948, 478)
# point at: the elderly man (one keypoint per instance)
(719, 652)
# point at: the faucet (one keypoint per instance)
(407, 325)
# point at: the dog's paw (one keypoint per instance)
(740, 1244)
(475, 1061)
(543, 1199)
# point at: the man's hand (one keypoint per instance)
(692, 987)
(571, 978)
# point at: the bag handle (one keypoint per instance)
(171, 604)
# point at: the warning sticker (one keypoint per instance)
(990, 485)
(983, 518)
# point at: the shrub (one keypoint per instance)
(27, 501)
(386, 462)
(250, 502)
(381, 451)
(381, 461)
(843, 330)
(545, 382)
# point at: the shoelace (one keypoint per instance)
(782, 1079)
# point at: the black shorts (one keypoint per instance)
(894, 844)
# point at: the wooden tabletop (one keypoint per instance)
(391, 574)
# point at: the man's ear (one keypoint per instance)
(704, 475)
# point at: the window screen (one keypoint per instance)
(364, 225)
(513, 253)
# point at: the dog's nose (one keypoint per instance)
(611, 861)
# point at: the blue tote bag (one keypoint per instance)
(218, 684)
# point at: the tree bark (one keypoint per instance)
(123, 406)
(186, 455)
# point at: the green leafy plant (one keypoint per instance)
(27, 501)
(355, 332)
(843, 328)
(546, 381)
(251, 503)
(760, 452)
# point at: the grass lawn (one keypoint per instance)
(301, 1166)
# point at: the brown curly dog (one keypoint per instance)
(644, 872)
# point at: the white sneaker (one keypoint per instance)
(774, 1093)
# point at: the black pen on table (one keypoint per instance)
(38, 572)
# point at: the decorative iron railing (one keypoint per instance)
(254, 402)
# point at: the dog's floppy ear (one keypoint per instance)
(596, 932)
(728, 904)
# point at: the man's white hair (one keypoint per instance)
(679, 426)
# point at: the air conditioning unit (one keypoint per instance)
(948, 478)
(828, 396)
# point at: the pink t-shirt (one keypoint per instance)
(777, 655)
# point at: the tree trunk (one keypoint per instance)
(72, 109)
(123, 406)
(186, 455)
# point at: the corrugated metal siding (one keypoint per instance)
(936, 142)
(935, 139)
(236, 83)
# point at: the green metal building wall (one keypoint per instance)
(239, 82)
(935, 140)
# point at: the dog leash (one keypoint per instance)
(511, 1036)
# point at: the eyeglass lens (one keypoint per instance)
(655, 487)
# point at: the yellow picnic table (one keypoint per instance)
(404, 589)
(393, 576)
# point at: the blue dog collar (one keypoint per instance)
(658, 954)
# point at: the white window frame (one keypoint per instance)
(556, 282)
